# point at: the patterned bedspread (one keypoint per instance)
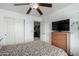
(35, 48)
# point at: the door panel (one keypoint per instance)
(19, 31)
(14, 30)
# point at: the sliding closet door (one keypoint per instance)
(10, 39)
(19, 31)
(14, 31)
(3, 31)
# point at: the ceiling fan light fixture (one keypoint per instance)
(34, 5)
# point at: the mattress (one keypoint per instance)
(34, 48)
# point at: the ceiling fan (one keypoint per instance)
(35, 6)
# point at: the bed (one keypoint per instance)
(34, 48)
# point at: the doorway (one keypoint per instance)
(36, 30)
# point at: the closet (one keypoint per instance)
(12, 30)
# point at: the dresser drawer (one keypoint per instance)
(61, 40)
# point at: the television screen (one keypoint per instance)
(61, 25)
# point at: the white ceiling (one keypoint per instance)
(23, 9)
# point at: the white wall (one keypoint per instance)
(15, 24)
(46, 31)
(65, 13)
(74, 37)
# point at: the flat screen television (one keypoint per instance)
(61, 25)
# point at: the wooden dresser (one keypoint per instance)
(61, 40)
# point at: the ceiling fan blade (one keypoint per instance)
(18, 4)
(45, 4)
(29, 10)
(39, 11)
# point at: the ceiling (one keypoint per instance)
(23, 9)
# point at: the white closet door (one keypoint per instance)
(14, 30)
(3, 27)
(19, 31)
(10, 39)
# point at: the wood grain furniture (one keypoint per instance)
(61, 40)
